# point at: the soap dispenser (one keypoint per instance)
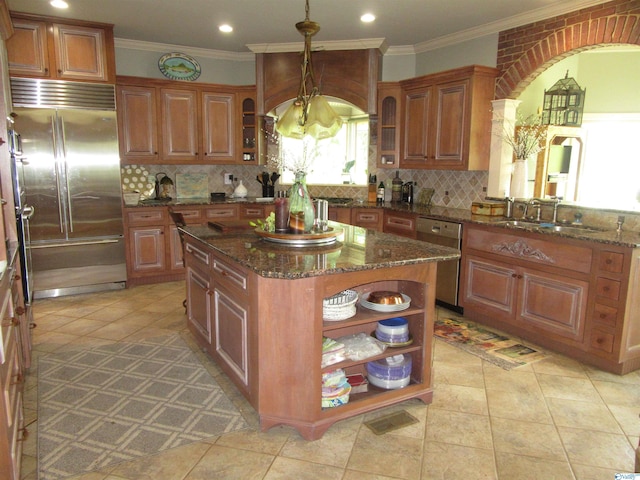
(240, 191)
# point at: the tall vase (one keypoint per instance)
(301, 212)
(519, 179)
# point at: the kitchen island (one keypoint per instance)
(257, 308)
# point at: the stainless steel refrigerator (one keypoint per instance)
(71, 177)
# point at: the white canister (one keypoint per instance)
(240, 191)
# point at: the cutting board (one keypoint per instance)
(232, 226)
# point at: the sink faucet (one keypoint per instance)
(556, 202)
(535, 203)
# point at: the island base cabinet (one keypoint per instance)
(266, 334)
(231, 334)
(199, 306)
(290, 336)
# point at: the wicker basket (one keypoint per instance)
(340, 306)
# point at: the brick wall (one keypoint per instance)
(525, 52)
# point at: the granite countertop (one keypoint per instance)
(355, 249)
(624, 239)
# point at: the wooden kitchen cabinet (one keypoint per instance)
(218, 127)
(573, 296)
(218, 311)
(401, 223)
(447, 119)
(199, 294)
(146, 242)
(165, 122)
(48, 47)
(137, 124)
(179, 121)
(262, 364)
(389, 124)
(15, 358)
(340, 214)
(250, 127)
(367, 218)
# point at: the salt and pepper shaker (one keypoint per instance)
(322, 215)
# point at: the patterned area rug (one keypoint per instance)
(487, 344)
(123, 401)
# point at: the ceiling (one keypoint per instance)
(414, 25)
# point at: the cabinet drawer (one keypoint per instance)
(402, 225)
(367, 218)
(201, 256)
(607, 288)
(611, 262)
(229, 274)
(254, 211)
(230, 211)
(602, 340)
(192, 215)
(534, 250)
(145, 216)
(605, 314)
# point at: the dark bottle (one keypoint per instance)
(380, 196)
(396, 188)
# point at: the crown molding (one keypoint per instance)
(360, 44)
(560, 8)
(193, 51)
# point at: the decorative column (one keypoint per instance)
(501, 154)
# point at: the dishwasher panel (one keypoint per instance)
(447, 234)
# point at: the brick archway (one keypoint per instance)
(525, 52)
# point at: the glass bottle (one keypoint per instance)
(301, 212)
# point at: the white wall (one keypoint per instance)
(480, 51)
(140, 59)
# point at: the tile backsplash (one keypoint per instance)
(452, 189)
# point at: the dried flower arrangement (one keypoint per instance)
(281, 158)
(526, 137)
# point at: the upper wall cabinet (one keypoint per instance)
(447, 119)
(388, 125)
(54, 48)
(137, 123)
(176, 123)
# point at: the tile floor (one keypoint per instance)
(554, 419)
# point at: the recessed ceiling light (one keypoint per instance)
(59, 4)
(368, 17)
(225, 28)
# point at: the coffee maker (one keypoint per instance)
(407, 192)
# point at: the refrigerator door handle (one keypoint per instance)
(57, 172)
(66, 173)
(28, 211)
(74, 244)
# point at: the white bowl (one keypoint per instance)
(131, 198)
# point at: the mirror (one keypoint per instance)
(603, 163)
(340, 160)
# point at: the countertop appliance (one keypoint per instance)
(71, 171)
(447, 234)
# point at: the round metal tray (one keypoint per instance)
(301, 239)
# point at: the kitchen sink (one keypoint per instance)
(550, 227)
(568, 229)
(517, 224)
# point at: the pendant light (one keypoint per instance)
(310, 113)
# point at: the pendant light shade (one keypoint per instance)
(310, 113)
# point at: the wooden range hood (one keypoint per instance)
(350, 75)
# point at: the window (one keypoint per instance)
(340, 160)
